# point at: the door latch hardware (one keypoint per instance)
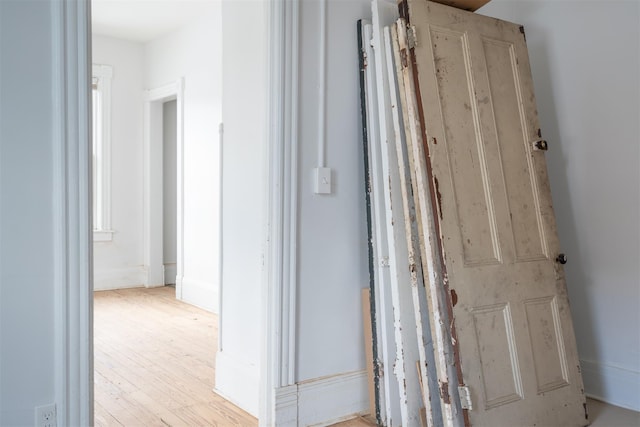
(562, 259)
(465, 397)
(540, 145)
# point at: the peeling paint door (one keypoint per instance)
(506, 286)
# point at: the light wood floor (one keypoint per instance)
(155, 366)
(155, 362)
(601, 415)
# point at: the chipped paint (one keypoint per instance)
(454, 297)
(429, 387)
(444, 393)
(377, 365)
(438, 195)
(523, 33)
(431, 259)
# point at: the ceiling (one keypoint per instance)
(144, 20)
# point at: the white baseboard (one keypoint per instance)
(170, 272)
(119, 278)
(238, 382)
(286, 413)
(611, 384)
(323, 401)
(197, 292)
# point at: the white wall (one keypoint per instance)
(194, 52)
(332, 228)
(244, 82)
(169, 202)
(26, 211)
(585, 64)
(120, 263)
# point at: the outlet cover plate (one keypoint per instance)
(46, 416)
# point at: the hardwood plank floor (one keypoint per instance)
(155, 366)
(601, 415)
(154, 362)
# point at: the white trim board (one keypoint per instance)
(615, 385)
(119, 278)
(323, 401)
(278, 356)
(238, 379)
(73, 280)
(392, 403)
(169, 273)
(199, 293)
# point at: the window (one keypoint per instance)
(101, 99)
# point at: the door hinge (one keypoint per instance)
(465, 397)
(412, 38)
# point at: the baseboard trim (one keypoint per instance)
(323, 401)
(119, 278)
(611, 384)
(169, 273)
(286, 413)
(238, 382)
(199, 293)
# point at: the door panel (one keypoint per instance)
(501, 379)
(497, 230)
(547, 342)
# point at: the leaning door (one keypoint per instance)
(501, 254)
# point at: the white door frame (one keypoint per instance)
(153, 187)
(277, 367)
(71, 78)
(73, 281)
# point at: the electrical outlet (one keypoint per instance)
(46, 416)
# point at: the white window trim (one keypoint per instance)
(102, 75)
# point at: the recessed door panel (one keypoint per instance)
(546, 341)
(465, 148)
(510, 124)
(498, 355)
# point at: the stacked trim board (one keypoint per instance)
(402, 334)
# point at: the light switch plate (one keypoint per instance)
(322, 180)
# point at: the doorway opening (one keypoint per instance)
(271, 27)
(169, 191)
(156, 273)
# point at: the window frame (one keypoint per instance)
(101, 154)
